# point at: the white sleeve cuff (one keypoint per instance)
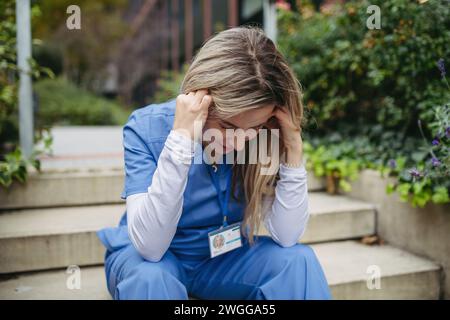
(293, 172)
(180, 146)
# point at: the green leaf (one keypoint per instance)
(345, 185)
(390, 188)
(440, 195)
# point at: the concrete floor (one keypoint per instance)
(85, 147)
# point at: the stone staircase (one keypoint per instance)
(50, 224)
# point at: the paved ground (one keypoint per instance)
(85, 147)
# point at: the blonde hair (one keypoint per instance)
(243, 70)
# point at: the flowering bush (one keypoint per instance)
(429, 179)
(369, 88)
(372, 82)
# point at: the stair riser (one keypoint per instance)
(339, 226)
(63, 190)
(74, 189)
(56, 251)
(419, 285)
(48, 252)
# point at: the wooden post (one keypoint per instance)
(174, 19)
(207, 19)
(188, 31)
(165, 34)
(233, 18)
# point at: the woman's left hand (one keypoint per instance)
(291, 136)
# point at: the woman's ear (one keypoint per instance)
(211, 109)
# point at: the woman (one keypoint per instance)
(189, 226)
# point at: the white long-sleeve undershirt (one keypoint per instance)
(153, 216)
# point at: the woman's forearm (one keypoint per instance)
(153, 216)
(288, 212)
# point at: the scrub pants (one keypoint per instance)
(264, 271)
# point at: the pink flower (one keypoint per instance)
(282, 4)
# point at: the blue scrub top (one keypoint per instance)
(144, 136)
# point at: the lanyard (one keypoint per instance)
(223, 201)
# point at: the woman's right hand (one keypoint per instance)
(191, 113)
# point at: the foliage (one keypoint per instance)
(337, 161)
(373, 86)
(429, 179)
(15, 164)
(88, 51)
(9, 74)
(169, 85)
(372, 82)
(62, 103)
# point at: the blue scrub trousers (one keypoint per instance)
(264, 271)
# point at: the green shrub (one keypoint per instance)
(62, 103)
(14, 165)
(8, 72)
(168, 85)
(371, 81)
(337, 161)
(366, 90)
(428, 180)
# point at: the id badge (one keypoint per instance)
(225, 239)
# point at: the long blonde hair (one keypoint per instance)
(243, 70)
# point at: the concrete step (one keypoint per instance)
(38, 239)
(336, 217)
(71, 188)
(84, 147)
(55, 237)
(56, 284)
(350, 268)
(74, 187)
(346, 265)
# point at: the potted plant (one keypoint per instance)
(334, 163)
